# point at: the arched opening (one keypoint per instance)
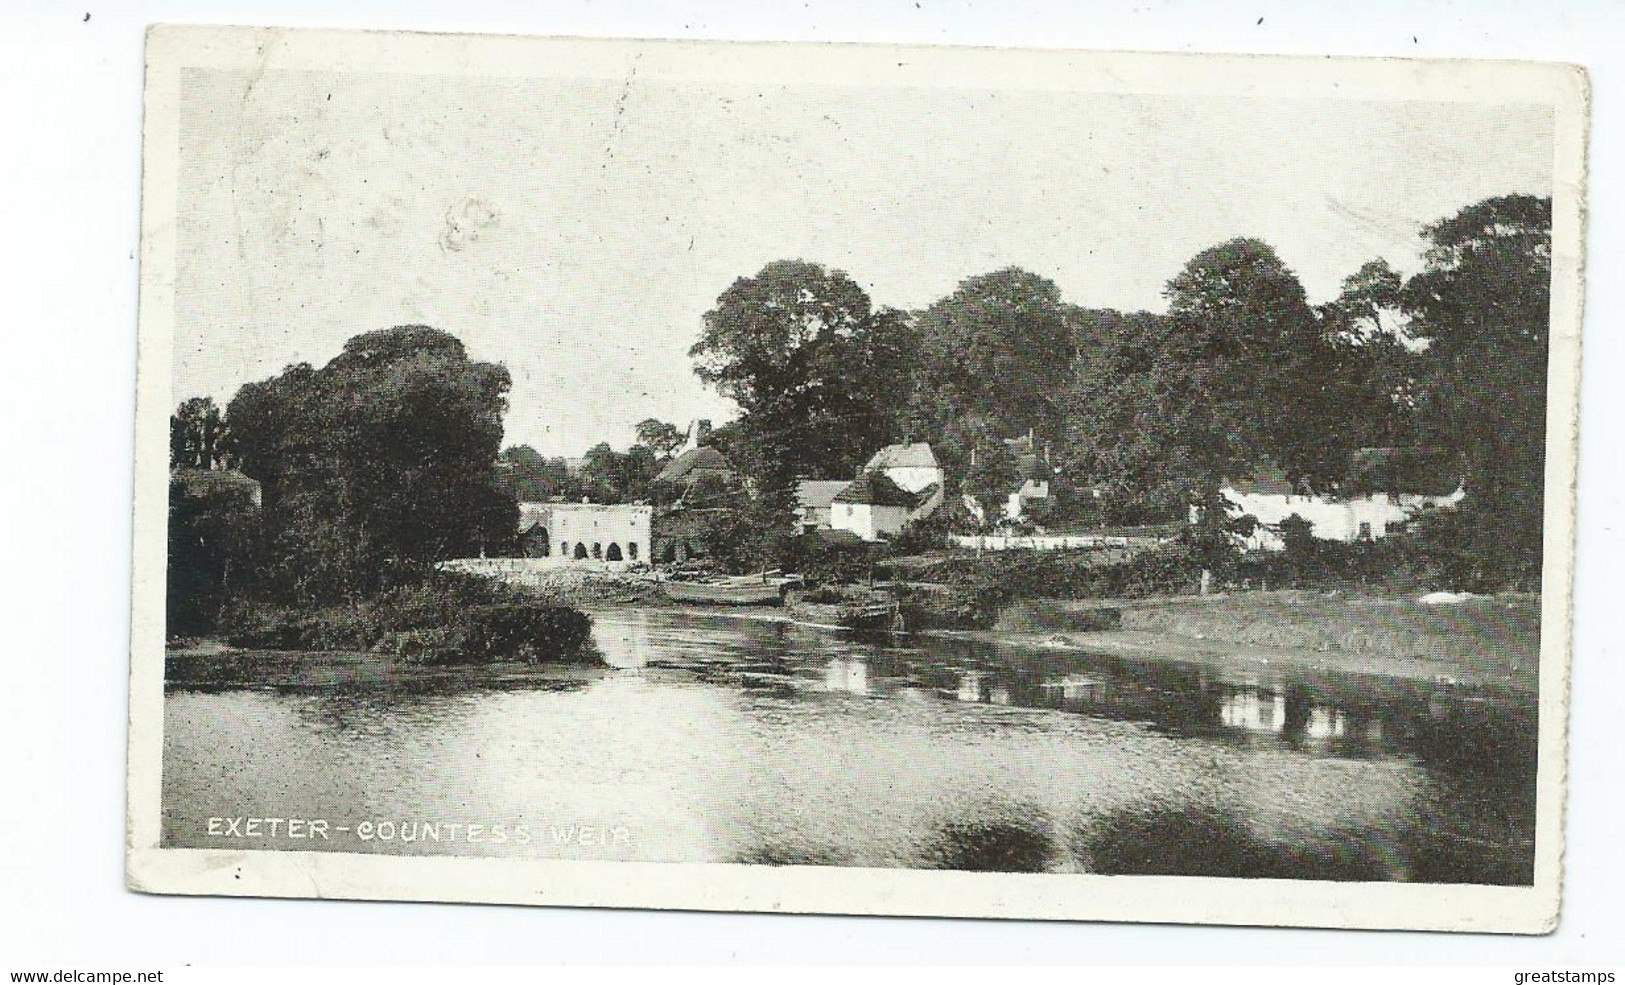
(598, 552)
(669, 555)
(538, 546)
(632, 551)
(614, 553)
(581, 551)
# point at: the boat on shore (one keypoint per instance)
(743, 590)
(879, 615)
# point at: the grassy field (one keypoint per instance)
(1491, 640)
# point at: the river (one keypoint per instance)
(720, 739)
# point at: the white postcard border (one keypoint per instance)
(150, 868)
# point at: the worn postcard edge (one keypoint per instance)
(150, 868)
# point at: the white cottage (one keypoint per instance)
(873, 506)
(1385, 489)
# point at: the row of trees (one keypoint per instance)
(381, 462)
(1155, 410)
(604, 475)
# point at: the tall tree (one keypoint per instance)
(1237, 374)
(213, 534)
(1122, 433)
(990, 475)
(1257, 365)
(528, 476)
(384, 459)
(198, 436)
(813, 368)
(999, 349)
(1482, 306)
(1375, 367)
(660, 437)
(602, 476)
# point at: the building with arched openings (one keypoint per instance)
(586, 531)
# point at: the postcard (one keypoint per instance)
(855, 479)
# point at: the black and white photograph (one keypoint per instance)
(855, 479)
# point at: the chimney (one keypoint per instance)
(702, 432)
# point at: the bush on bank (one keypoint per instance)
(526, 631)
(447, 618)
(995, 578)
(947, 607)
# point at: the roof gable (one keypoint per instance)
(532, 515)
(875, 488)
(915, 455)
(702, 459)
(817, 494)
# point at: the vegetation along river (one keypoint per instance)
(717, 739)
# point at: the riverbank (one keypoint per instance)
(211, 663)
(1491, 642)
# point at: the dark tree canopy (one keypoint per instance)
(1482, 306)
(1000, 349)
(815, 370)
(1120, 419)
(1150, 414)
(529, 476)
(213, 537)
(1240, 373)
(198, 436)
(610, 476)
(660, 437)
(1374, 366)
(1256, 365)
(382, 459)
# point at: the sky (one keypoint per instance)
(577, 230)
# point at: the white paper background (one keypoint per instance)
(69, 111)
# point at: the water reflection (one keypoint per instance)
(992, 846)
(1204, 841)
(1253, 711)
(1326, 723)
(1183, 700)
(848, 673)
(715, 739)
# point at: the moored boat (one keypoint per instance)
(728, 591)
(877, 616)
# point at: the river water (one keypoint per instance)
(719, 739)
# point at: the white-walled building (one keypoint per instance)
(583, 531)
(1033, 495)
(1033, 490)
(1386, 488)
(873, 506)
(913, 466)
